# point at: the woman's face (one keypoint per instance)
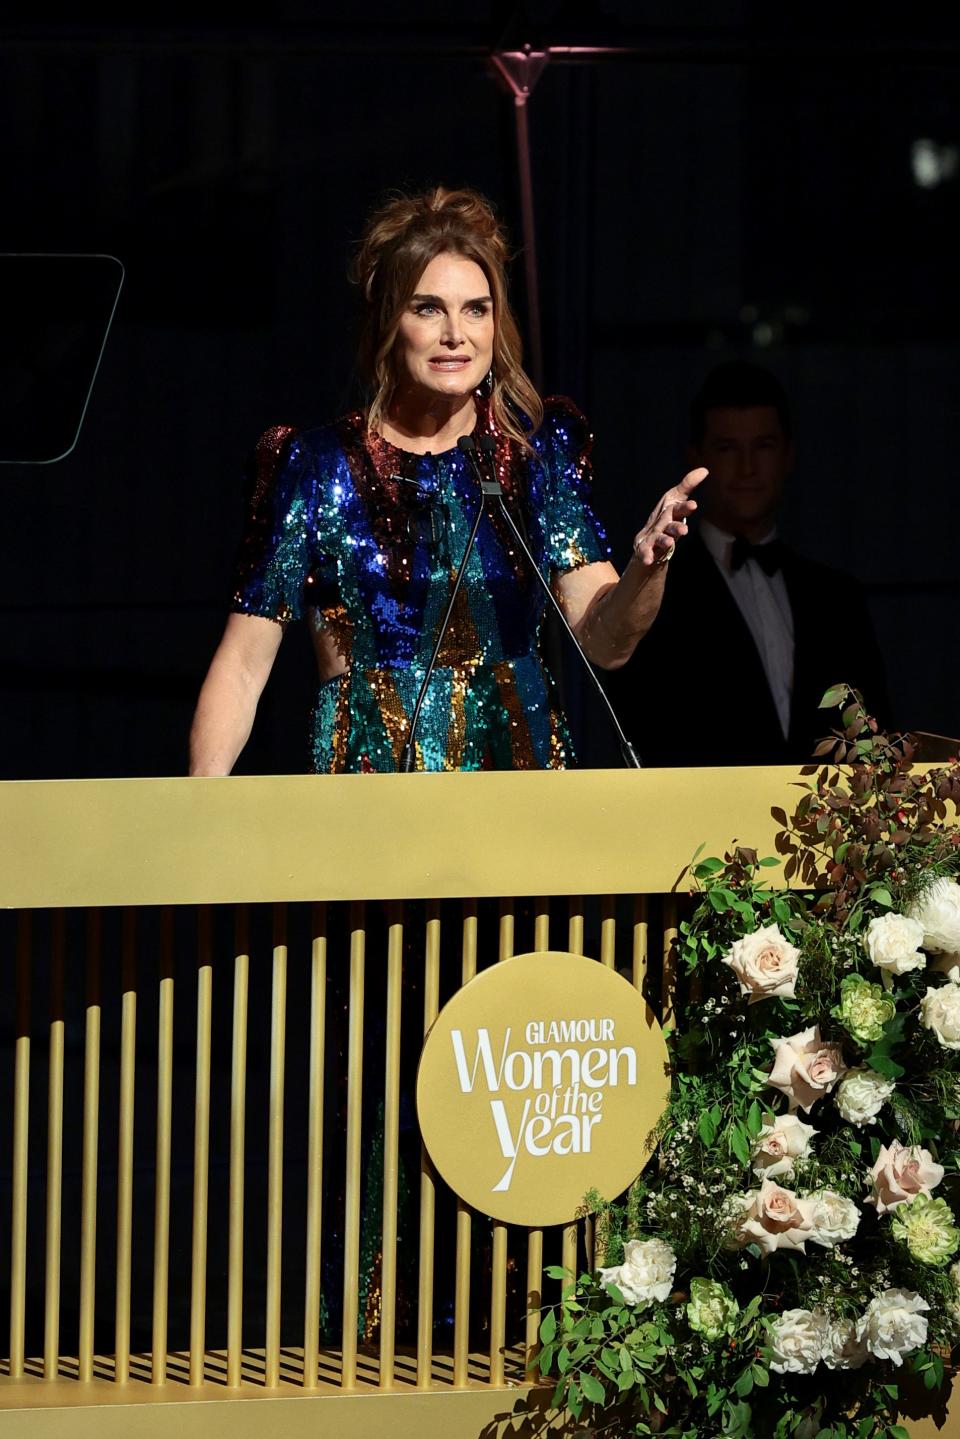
(444, 345)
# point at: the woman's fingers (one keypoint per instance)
(655, 542)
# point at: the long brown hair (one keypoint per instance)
(400, 240)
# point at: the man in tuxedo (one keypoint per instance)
(750, 634)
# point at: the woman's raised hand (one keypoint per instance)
(655, 543)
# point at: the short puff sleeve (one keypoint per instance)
(572, 534)
(275, 552)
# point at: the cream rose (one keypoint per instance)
(901, 1172)
(774, 1218)
(646, 1272)
(834, 1218)
(940, 1011)
(782, 1139)
(844, 1348)
(893, 1324)
(861, 1094)
(797, 1341)
(804, 1068)
(765, 963)
(893, 943)
(937, 910)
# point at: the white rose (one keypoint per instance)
(834, 1218)
(844, 1347)
(861, 1094)
(765, 963)
(782, 1139)
(646, 1272)
(893, 943)
(797, 1340)
(893, 1324)
(938, 911)
(940, 1011)
(804, 1068)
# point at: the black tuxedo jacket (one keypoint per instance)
(695, 692)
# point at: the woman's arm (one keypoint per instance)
(610, 613)
(228, 700)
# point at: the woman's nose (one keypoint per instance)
(451, 335)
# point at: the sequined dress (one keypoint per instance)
(364, 539)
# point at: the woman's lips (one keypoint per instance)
(449, 363)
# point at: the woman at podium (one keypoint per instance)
(360, 527)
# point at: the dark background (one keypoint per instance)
(735, 180)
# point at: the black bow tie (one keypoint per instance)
(769, 556)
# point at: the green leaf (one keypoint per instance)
(563, 1361)
(882, 896)
(754, 1120)
(706, 1129)
(548, 1327)
(897, 1431)
(739, 1144)
(770, 862)
(761, 1376)
(744, 1384)
(557, 1271)
(834, 696)
(707, 867)
(593, 1390)
(626, 1381)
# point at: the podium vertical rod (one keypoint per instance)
(669, 982)
(238, 1119)
(51, 1317)
(575, 926)
(91, 1125)
(391, 1148)
(640, 941)
(541, 941)
(318, 996)
(278, 1037)
(461, 1302)
(431, 1006)
(498, 1263)
(21, 1139)
(128, 1071)
(161, 1212)
(201, 1149)
(353, 1184)
(608, 930)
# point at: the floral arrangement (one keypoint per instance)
(789, 1258)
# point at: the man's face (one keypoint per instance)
(749, 458)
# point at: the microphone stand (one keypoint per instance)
(490, 488)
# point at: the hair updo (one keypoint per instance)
(400, 240)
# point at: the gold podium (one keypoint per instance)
(188, 954)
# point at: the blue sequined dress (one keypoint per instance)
(364, 539)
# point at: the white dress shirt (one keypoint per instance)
(765, 605)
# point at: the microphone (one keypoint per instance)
(409, 749)
(491, 486)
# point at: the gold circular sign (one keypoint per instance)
(541, 1080)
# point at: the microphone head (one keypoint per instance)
(488, 444)
(465, 444)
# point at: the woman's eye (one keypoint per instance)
(425, 309)
(478, 311)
